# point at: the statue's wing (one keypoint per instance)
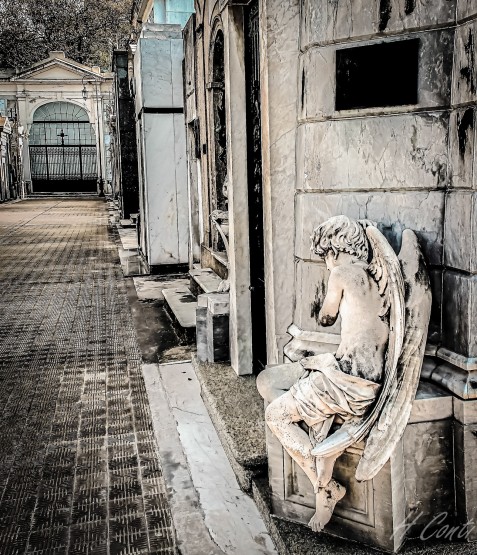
(386, 270)
(394, 417)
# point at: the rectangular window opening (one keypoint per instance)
(377, 75)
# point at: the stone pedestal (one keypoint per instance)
(402, 501)
(212, 321)
(465, 455)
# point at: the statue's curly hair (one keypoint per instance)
(341, 234)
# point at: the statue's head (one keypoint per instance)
(341, 234)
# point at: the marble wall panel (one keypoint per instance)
(465, 9)
(459, 314)
(166, 212)
(420, 211)
(156, 72)
(318, 74)
(462, 141)
(460, 241)
(177, 55)
(429, 473)
(389, 152)
(324, 21)
(464, 80)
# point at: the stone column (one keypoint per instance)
(23, 119)
(239, 273)
(279, 37)
(465, 455)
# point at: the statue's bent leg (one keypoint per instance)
(282, 418)
(324, 470)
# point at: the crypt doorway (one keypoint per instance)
(63, 151)
(255, 192)
(219, 192)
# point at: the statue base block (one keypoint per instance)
(412, 496)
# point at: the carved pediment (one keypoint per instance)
(57, 70)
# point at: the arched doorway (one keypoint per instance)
(219, 194)
(62, 150)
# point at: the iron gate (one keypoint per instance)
(63, 149)
(63, 168)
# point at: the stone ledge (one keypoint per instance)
(236, 409)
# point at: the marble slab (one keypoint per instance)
(324, 21)
(388, 152)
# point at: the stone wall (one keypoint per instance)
(410, 166)
(402, 166)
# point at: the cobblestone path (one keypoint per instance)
(78, 466)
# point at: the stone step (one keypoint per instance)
(204, 280)
(127, 223)
(181, 306)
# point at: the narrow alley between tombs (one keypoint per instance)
(79, 470)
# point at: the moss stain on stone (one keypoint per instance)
(467, 72)
(464, 124)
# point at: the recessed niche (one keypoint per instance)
(377, 75)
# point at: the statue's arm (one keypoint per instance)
(331, 305)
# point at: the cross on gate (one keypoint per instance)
(62, 135)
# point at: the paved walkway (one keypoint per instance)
(79, 471)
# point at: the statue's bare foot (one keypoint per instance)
(326, 499)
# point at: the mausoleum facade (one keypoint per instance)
(61, 106)
(298, 111)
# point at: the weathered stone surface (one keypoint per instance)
(462, 130)
(165, 220)
(159, 79)
(432, 403)
(201, 331)
(318, 75)
(459, 317)
(239, 246)
(456, 379)
(429, 470)
(394, 211)
(280, 41)
(466, 8)
(460, 243)
(464, 81)
(324, 21)
(465, 412)
(389, 152)
(465, 453)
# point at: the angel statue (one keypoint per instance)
(369, 384)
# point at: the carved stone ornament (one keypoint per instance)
(367, 387)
